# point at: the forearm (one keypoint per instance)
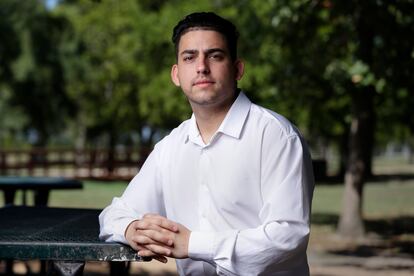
(252, 251)
(114, 221)
(143, 195)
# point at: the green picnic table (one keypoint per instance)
(64, 238)
(41, 186)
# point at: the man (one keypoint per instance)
(228, 191)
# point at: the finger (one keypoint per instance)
(161, 259)
(143, 252)
(143, 239)
(160, 221)
(160, 250)
(150, 236)
(148, 253)
(147, 224)
(135, 246)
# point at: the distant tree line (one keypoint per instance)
(98, 72)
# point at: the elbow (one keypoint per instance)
(289, 245)
(300, 238)
(296, 241)
(105, 236)
(104, 231)
(288, 253)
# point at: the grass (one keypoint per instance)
(388, 210)
(381, 199)
(94, 195)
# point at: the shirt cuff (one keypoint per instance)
(202, 246)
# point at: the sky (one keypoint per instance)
(51, 3)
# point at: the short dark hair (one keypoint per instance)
(207, 21)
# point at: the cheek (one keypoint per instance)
(185, 80)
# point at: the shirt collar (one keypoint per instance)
(232, 124)
(193, 132)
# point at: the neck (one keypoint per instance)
(209, 122)
(209, 119)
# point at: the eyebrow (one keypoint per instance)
(208, 51)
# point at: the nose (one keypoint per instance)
(203, 66)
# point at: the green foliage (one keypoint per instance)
(12, 120)
(32, 68)
(121, 78)
(104, 66)
(306, 59)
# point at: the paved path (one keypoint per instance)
(324, 264)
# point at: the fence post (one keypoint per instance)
(3, 162)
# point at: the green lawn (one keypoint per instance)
(381, 199)
(93, 195)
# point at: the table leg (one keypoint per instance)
(119, 268)
(24, 198)
(65, 268)
(9, 196)
(9, 267)
(41, 197)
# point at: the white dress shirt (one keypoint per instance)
(246, 196)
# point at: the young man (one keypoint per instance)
(228, 191)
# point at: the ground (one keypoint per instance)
(386, 250)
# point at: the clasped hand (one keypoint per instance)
(158, 237)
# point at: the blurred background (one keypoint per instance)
(85, 92)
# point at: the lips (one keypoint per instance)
(203, 82)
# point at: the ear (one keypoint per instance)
(239, 66)
(174, 75)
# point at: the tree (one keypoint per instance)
(120, 79)
(382, 70)
(32, 68)
(330, 65)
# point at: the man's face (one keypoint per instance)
(204, 70)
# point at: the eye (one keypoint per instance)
(216, 56)
(188, 58)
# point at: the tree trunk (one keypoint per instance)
(111, 151)
(343, 155)
(361, 146)
(361, 132)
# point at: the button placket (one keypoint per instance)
(204, 195)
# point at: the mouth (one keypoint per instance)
(203, 83)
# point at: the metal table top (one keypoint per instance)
(56, 234)
(27, 182)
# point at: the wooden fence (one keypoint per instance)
(103, 164)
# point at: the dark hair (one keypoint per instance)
(207, 21)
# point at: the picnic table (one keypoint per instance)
(64, 237)
(41, 186)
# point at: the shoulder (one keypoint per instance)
(177, 135)
(278, 134)
(272, 123)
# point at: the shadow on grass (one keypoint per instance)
(378, 178)
(383, 227)
(389, 230)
